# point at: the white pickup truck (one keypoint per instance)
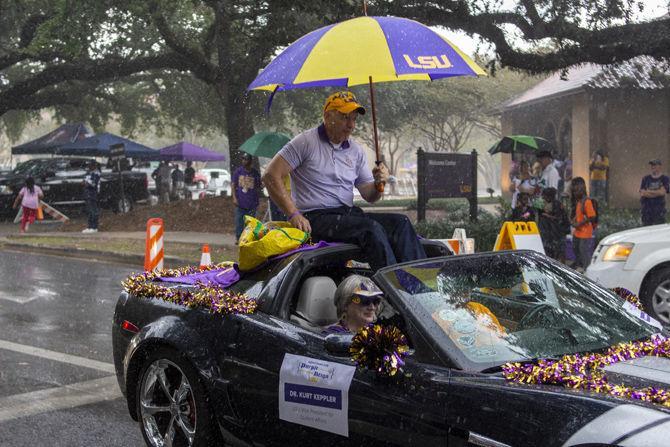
(639, 260)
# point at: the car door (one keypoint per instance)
(407, 410)
(254, 365)
(72, 176)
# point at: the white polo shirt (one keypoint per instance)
(324, 176)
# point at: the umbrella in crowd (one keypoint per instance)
(184, 151)
(265, 144)
(520, 143)
(98, 146)
(365, 50)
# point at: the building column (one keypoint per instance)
(506, 126)
(581, 131)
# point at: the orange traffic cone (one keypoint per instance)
(205, 258)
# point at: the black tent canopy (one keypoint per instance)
(47, 144)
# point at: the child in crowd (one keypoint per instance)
(523, 212)
(554, 225)
(29, 197)
(582, 216)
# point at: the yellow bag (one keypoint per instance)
(258, 242)
(40, 213)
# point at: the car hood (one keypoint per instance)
(641, 372)
(655, 233)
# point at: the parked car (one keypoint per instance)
(218, 181)
(191, 376)
(148, 167)
(200, 180)
(639, 260)
(61, 179)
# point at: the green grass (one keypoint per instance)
(185, 251)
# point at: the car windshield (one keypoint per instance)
(27, 167)
(486, 310)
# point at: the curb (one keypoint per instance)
(102, 256)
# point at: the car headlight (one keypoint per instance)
(5, 189)
(618, 252)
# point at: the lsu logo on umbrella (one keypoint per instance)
(428, 62)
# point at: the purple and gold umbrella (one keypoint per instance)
(362, 51)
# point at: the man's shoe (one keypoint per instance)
(89, 230)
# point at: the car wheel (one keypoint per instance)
(123, 205)
(655, 295)
(172, 404)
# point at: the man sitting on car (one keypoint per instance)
(325, 164)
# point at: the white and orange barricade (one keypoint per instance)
(459, 243)
(44, 208)
(53, 212)
(206, 257)
(519, 236)
(153, 254)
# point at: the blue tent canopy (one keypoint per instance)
(98, 146)
(47, 144)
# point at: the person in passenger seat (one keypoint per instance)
(357, 300)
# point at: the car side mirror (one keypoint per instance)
(338, 344)
(49, 174)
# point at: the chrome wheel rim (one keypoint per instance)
(660, 301)
(124, 206)
(167, 405)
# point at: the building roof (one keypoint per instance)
(642, 72)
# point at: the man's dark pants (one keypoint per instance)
(92, 209)
(386, 239)
(652, 216)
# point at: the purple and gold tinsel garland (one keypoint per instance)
(212, 297)
(379, 348)
(628, 296)
(585, 372)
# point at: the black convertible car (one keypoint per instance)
(274, 377)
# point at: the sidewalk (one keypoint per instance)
(11, 239)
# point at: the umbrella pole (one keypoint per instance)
(379, 186)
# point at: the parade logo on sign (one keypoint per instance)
(315, 393)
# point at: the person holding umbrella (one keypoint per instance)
(325, 164)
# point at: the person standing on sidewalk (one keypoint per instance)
(653, 189)
(29, 196)
(549, 178)
(246, 183)
(583, 215)
(91, 189)
(599, 167)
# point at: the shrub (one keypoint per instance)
(487, 227)
(484, 231)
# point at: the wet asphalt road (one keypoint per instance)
(57, 385)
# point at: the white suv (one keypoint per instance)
(219, 184)
(639, 260)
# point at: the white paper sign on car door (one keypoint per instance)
(315, 393)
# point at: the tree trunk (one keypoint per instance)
(239, 124)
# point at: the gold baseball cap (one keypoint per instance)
(343, 102)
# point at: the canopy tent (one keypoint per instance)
(47, 144)
(184, 151)
(98, 146)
